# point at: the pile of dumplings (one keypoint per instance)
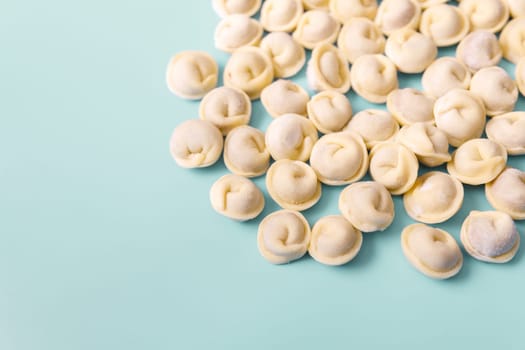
(316, 141)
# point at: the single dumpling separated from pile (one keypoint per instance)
(330, 111)
(360, 36)
(236, 31)
(432, 251)
(496, 89)
(316, 4)
(409, 106)
(477, 161)
(339, 158)
(374, 126)
(489, 15)
(283, 236)
(334, 241)
(236, 197)
(293, 184)
(506, 193)
(367, 205)
(508, 130)
(397, 14)
(490, 236)
(281, 15)
(512, 45)
(192, 74)
(345, 10)
(196, 143)
(429, 144)
(291, 136)
(373, 77)
(479, 49)
(284, 96)
(227, 108)
(394, 166)
(411, 51)
(316, 27)
(288, 57)
(245, 152)
(231, 7)
(445, 24)
(434, 198)
(249, 69)
(328, 70)
(443, 75)
(427, 3)
(460, 115)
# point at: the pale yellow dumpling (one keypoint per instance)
(245, 152)
(367, 205)
(236, 31)
(432, 251)
(508, 130)
(284, 96)
(373, 77)
(374, 126)
(517, 8)
(236, 197)
(411, 51)
(409, 106)
(334, 241)
(316, 4)
(496, 89)
(445, 24)
(281, 15)
(283, 236)
(434, 198)
(316, 27)
(339, 158)
(360, 36)
(511, 41)
(429, 144)
(490, 15)
(330, 111)
(490, 236)
(480, 49)
(293, 184)
(397, 14)
(288, 57)
(328, 70)
(443, 75)
(345, 10)
(394, 166)
(477, 161)
(230, 7)
(506, 193)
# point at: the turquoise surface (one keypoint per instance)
(106, 244)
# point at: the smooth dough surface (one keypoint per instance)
(490, 236)
(490, 15)
(460, 115)
(293, 184)
(409, 106)
(245, 152)
(281, 15)
(374, 126)
(288, 57)
(394, 166)
(345, 10)
(443, 75)
(283, 236)
(510, 39)
(397, 14)
(227, 108)
(434, 198)
(249, 69)
(520, 75)
(196, 143)
(360, 36)
(517, 8)
(237, 31)
(284, 96)
(316, 27)
(373, 77)
(334, 241)
(230, 7)
(496, 89)
(477, 161)
(433, 252)
(339, 158)
(429, 144)
(191, 74)
(316, 4)
(236, 197)
(508, 130)
(291, 136)
(411, 51)
(328, 70)
(479, 49)
(445, 24)
(330, 111)
(367, 205)
(506, 193)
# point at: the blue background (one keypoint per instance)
(106, 244)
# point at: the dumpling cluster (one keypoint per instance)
(315, 137)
